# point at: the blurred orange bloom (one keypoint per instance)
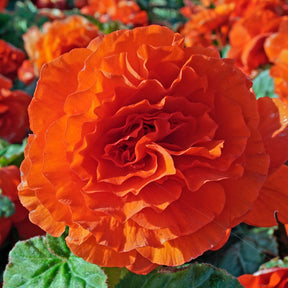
(208, 27)
(14, 122)
(150, 152)
(57, 38)
(11, 59)
(189, 8)
(244, 8)
(269, 278)
(5, 82)
(80, 3)
(247, 36)
(276, 48)
(126, 11)
(9, 179)
(3, 4)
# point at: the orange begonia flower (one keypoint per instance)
(9, 180)
(267, 278)
(276, 48)
(11, 59)
(57, 38)
(14, 122)
(150, 152)
(126, 11)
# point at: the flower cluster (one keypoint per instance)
(245, 25)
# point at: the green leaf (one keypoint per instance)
(224, 51)
(47, 262)
(263, 85)
(165, 12)
(11, 154)
(195, 275)
(106, 27)
(7, 207)
(57, 245)
(245, 251)
(29, 89)
(114, 275)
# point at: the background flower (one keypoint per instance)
(126, 11)
(150, 152)
(208, 27)
(276, 48)
(57, 38)
(254, 22)
(14, 122)
(11, 59)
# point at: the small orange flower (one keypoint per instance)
(14, 122)
(57, 38)
(126, 11)
(276, 48)
(11, 59)
(268, 278)
(9, 180)
(149, 151)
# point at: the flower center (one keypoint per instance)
(123, 151)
